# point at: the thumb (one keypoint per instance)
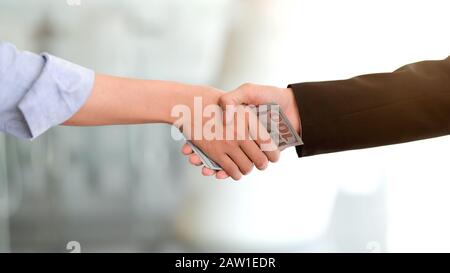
(233, 98)
(229, 101)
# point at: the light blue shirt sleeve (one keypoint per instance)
(38, 92)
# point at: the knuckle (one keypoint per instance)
(242, 137)
(223, 100)
(230, 145)
(246, 85)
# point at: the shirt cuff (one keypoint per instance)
(56, 95)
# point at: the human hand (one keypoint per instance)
(251, 94)
(116, 100)
(235, 147)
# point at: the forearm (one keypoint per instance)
(117, 100)
(409, 104)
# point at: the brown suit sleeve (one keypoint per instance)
(409, 104)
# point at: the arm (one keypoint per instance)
(41, 91)
(117, 100)
(38, 92)
(409, 104)
(128, 101)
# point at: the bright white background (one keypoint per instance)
(340, 39)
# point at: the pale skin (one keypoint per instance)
(252, 94)
(123, 101)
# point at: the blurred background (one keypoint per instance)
(129, 189)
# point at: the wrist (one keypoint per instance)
(184, 95)
(292, 112)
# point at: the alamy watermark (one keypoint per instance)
(373, 247)
(210, 122)
(73, 247)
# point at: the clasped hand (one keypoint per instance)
(236, 146)
(239, 154)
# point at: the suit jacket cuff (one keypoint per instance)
(319, 123)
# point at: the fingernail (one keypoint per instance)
(263, 167)
(220, 175)
(208, 172)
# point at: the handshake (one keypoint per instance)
(411, 103)
(234, 129)
(226, 128)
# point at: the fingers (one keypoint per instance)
(236, 97)
(257, 132)
(222, 175)
(244, 164)
(229, 101)
(254, 153)
(237, 164)
(195, 160)
(230, 167)
(273, 156)
(186, 149)
(208, 172)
